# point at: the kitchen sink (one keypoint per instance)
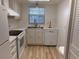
(36, 27)
(15, 32)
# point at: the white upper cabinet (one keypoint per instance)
(11, 6)
(14, 5)
(13, 9)
(4, 3)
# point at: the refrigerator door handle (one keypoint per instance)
(3, 43)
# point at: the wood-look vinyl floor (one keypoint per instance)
(39, 52)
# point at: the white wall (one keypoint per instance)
(12, 23)
(15, 22)
(62, 23)
(20, 23)
(50, 14)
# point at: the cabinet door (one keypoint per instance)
(39, 37)
(6, 3)
(4, 31)
(74, 42)
(4, 51)
(1, 2)
(14, 5)
(50, 37)
(30, 36)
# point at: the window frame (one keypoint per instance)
(32, 14)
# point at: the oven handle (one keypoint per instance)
(21, 35)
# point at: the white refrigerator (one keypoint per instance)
(4, 34)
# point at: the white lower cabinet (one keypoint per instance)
(30, 36)
(37, 36)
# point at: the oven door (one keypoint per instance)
(21, 45)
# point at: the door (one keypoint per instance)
(39, 37)
(4, 51)
(4, 32)
(31, 36)
(74, 42)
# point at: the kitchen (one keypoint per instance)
(39, 29)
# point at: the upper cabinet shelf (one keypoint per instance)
(13, 8)
(4, 3)
(13, 5)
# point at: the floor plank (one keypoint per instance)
(39, 52)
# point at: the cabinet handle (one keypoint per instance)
(3, 9)
(50, 31)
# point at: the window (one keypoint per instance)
(36, 15)
(39, 0)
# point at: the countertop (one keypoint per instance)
(34, 28)
(50, 28)
(19, 29)
(12, 38)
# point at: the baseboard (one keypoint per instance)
(42, 45)
(51, 45)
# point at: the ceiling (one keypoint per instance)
(50, 2)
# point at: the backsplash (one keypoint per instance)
(16, 23)
(13, 23)
(50, 15)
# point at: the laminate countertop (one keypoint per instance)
(12, 38)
